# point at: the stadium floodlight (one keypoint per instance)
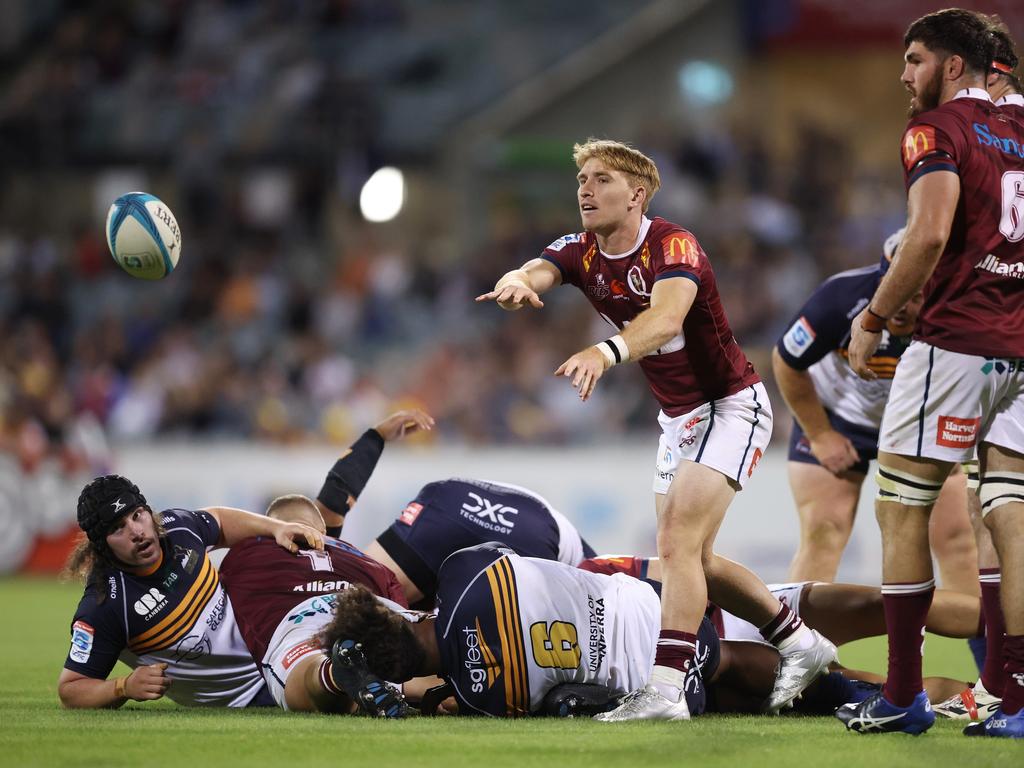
(705, 83)
(382, 195)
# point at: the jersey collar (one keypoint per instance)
(645, 225)
(973, 93)
(1015, 99)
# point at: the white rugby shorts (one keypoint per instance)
(729, 435)
(735, 628)
(944, 404)
(293, 641)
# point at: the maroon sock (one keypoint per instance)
(906, 607)
(993, 676)
(1013, 691)
(675, 649)
(784, 625)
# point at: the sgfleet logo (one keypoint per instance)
(151, 603)
(478, 659)
(957, 433)
(917, 142)
(986, 138)
(492, 515)
(997, 266)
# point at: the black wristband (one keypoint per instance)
(351, 472)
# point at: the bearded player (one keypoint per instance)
(959, 388)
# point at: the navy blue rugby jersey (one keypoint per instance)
(817, 340)
(176, 613)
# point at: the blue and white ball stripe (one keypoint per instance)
(143, 236)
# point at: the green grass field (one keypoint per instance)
(35, 731)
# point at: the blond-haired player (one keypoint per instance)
(653, 283)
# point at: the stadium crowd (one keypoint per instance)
(293, 319)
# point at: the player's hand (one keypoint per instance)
(862, 346)
(403, 423)
(833, 451)
(513, 296)
(293, 535)
(147, 683)
(585, 368)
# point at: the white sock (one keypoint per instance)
(800, 640)
(668, 681)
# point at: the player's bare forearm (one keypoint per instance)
(931, 207)
(237, 524)
(798, 391)
(523, 287)
(663, 320)
(146, 683)
(89, 693)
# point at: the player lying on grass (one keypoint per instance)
(445, 516)
(282, 600)
(154, 600)
(841, 612)
(511, 632)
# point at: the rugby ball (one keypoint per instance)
(143, 236)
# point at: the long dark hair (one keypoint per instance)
(391, 648)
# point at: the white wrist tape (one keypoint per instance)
(614, 350)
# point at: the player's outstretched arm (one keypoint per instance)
(523, 286)
(652, 329)
(237, 524)
(350, 474)
(78, 691)
(834, 451)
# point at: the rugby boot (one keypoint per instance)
(972, 703)
(878, 715)
(352, 674)
(798, 668)
(646, 703)
(999, 726)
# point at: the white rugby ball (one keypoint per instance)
(143, 236)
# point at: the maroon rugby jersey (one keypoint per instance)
(701, 364)
(974, 301)
(264, 582)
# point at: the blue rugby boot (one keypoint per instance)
(999, 725)
(877, 715)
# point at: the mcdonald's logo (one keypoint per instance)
(681, 248)
(918, 141)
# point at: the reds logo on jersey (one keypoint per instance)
(681, 248)
(917, 142)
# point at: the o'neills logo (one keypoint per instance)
(992, 264)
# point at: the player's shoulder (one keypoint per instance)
(850, 284)
(571, 241)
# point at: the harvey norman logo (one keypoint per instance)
(995, 265)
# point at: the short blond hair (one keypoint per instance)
(621, 157)
(296, 508)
